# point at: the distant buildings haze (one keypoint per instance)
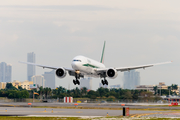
(31, 71)
(5, 72)
(160, 86)
(49, 79)
(115, 86)
(86, 82)
(38, 80)
(131, 79)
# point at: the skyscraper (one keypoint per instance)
(5, 72)
(86, 82)
(30, 68)
(131, 79)
(49, 79)
(38, 80)
(8, 73)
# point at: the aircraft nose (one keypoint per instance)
(74, 65)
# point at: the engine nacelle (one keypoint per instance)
(111, 73)
(61, 72)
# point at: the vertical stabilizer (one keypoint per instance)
(102, 57)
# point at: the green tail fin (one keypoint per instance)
(102, 57)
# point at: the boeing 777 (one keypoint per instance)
(83, 66)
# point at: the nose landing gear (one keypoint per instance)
(76, 81)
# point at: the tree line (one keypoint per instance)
(101, 93)
(12, 92)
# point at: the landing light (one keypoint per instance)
(78, 72)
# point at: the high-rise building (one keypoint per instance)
(86, 82)
(50, 79)
(31, 71)
(131, 79)
(38, 80)
(8, 73)
(5, 72)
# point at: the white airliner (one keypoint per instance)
(83, 66)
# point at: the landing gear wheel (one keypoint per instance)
(102, 81)
(106, 82)
(74, 82)
(77, 81)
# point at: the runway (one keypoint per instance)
(86, 110)
(87, 113)
(94, 105)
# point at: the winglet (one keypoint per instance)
(102, 57)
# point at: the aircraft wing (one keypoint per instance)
(45, 66)
(122, 69)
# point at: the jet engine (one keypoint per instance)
(111, 73)
(61, 72)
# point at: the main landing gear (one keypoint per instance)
(104, 82)
(76, 82)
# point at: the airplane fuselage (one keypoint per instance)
(86, 65)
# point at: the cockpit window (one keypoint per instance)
(77, 60)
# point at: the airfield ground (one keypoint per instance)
(88, 110)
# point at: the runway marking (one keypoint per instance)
(62, 116)
(48, 111)
(145, 114)
(78, 112)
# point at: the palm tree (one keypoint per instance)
(84, 90)
(169, 88)
(172, 87)
(155, 89)
(46, 91)
(49, 92)
(76, 92)
(175, 86)
(41, 90)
